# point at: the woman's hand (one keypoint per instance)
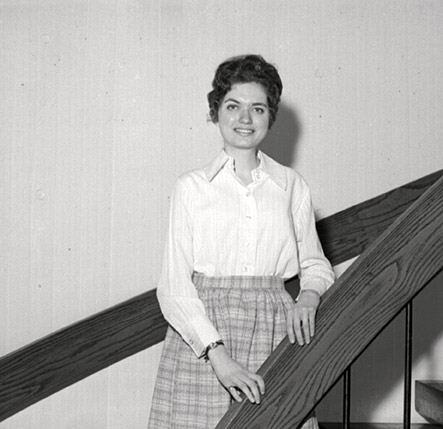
(235, 377)
(301, 318)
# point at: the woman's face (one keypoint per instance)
(243, 117)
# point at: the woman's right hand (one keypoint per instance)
(235, 377)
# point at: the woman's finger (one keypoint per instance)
(306, 325)
(290, 327)
(235, 393)
(312, 315)
(245, 389)
(298, 331)
(260, 382)
(253, 387)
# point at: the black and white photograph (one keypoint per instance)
(221, 214)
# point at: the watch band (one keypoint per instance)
(212, 346)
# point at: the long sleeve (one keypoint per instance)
(315, 270)
(176, 293)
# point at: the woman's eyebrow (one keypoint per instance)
(258, 103)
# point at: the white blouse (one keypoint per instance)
(220, 227)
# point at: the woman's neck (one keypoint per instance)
(244, 161)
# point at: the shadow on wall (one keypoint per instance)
(282, 141)
(281, 144)
(378, 374)
(379, 370)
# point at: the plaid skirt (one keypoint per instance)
(250, 314)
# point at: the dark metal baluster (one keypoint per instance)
(347, 399)
(408, 368)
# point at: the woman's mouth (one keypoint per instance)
(244, 131)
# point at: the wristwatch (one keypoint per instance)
(212, 346)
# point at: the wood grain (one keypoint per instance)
(357, 307)
(347, 233)
(71, 354)
(42, 368)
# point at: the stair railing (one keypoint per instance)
(377, 286)
(52, 363)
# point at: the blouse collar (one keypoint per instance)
(275, 170)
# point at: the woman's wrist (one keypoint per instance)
(310, 291)
(212, 346)
(218, 356)
(308, 297)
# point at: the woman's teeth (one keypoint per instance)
(244, 132)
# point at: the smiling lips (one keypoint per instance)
(243, 131)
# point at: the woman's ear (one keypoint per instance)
(209, 119)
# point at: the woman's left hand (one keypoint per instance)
(301, 318)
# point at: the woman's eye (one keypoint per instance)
(231, 106)
(260, 110)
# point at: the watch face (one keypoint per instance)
(212, 346)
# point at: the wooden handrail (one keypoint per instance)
(373, 290)
(347, 233)
(47, 366)
(50, 364)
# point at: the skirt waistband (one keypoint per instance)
(238, 282)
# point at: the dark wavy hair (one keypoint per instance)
(245, 69)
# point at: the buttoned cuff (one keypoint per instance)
(207, 334)
(318, 286)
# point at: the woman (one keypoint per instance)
(238, 228)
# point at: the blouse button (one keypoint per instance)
(248, 194)
(245, 269)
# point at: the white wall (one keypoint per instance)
(103, 105)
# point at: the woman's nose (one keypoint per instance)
(245, 116)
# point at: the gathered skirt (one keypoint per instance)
(249, 312)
